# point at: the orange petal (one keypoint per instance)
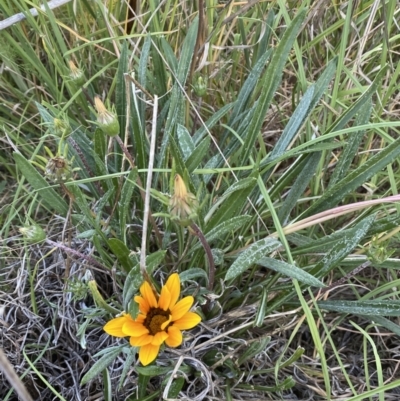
(188, 321)
(182, 307)
(174, 286)
(134, 329)
(159, 338)
(148, 295)
(166, 323)
(144, 306)
(140, 318)
(142, 340)
(174, 337)
(148, 353)
(165, 298)
(114, 326)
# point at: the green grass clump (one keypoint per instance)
(252, 148)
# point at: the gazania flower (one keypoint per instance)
(158, 321)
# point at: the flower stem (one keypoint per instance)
(207, 249)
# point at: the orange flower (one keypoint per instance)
(158, 321)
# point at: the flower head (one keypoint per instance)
(183, 204)
(75, 73)
(106, 120)
(161, 319)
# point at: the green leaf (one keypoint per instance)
(332, 196)
(359, 104)
(50, 198)
(185, 141)
(343, 247)
(261, 311)
(270, 82)
(254, 349)
(153, 370)
(239, 191)
(129, 361)
(209, 124)
(125, 202)
(121, 251)
(372, 308)
(120, 87)
(198, 154)
(142, 385)
(388, 324)
(175, 112)
(253, 254)
(102, 363)
(309, 166)
(303, 110)
(222, 229)
(176, 387)
(107, 388)
(291, 271)
(350, 150)
(192, 273)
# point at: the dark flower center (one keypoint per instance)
(154, 320)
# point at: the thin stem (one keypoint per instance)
(140, 184)
(146, 213)
(76, 253)
(207, 249)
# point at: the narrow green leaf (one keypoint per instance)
(291, 271)
(253, 254)
(309, 167)
(222, 229)
(176, 387)
(270, 82)
(184, 140)
(198, 154)
(249, 85)
(303, 110)
(107, 387)
(240, 190)
(388, 324)
(373, 308)
(120, 87)
(293, 125)
(193, 273)
(143, 73)
(142, 385)
(153, 370)
(254, 349)
(356, 178)
(175, 112)
(343, 247)
(209, 124)
(129, 361)
(125, 202)
(360, 103)
(262, 309)
(102, 363)
(121, 251)
(50, 198)
(350, 150)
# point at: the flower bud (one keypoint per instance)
(200, 87)
(58, 169)
(183, 204)
(33, 234)
(106, 120)
(61, 127)
(76, 74)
